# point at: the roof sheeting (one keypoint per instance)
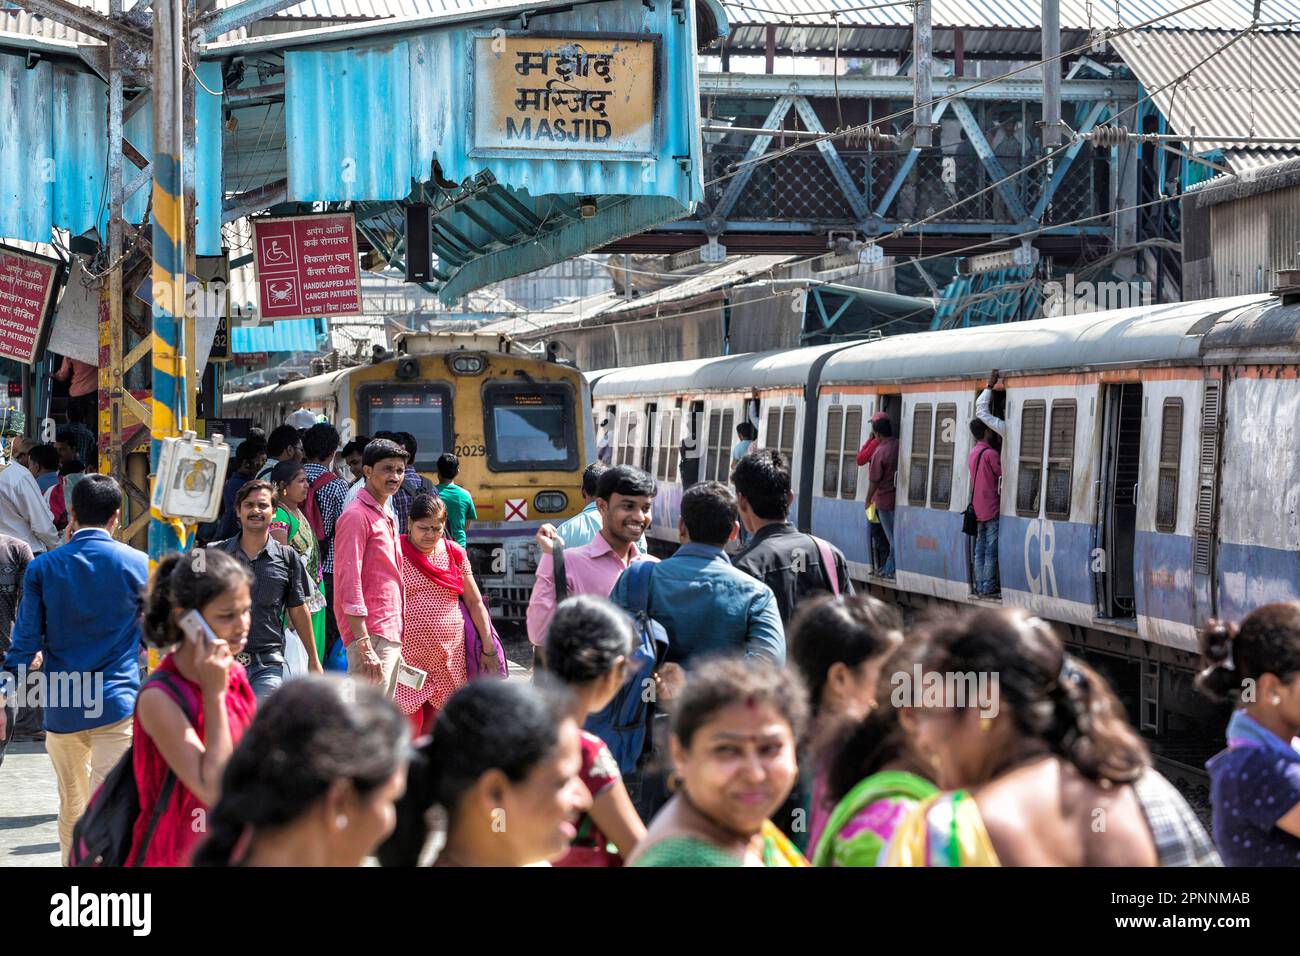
(1251, 88)
(727, 373)
(1013, 14)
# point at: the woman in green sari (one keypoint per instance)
(733, 749)
(289, 526)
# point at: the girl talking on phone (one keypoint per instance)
(195, 705)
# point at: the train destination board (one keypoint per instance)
(307, 266)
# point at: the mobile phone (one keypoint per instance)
(194, 627)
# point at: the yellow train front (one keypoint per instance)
(518, 424)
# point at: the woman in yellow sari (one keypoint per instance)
(733, 751)
(1037, 761)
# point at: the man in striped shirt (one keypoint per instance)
(319, 445)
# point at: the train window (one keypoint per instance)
(664, 427)
(1060, 459)
(849, 457)
(919, 476)
(1171, 450)
(648, 442)
(834, 443)
(725, 445)
(674, 444)
(945, 439)
(620, 441)
(773, 437)
(787, 434)
(1029, 474)
(711, 448)
(530, 427)
(423, 410)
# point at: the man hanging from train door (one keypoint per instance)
(985, 465)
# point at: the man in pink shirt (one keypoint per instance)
(623, 496)
(368, 595)
(986, 472)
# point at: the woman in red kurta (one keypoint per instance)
(195, 706)
(437, 576)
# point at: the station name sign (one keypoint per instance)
(560, 94)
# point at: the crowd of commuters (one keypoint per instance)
(780, 719)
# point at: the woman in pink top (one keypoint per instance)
(190, 715)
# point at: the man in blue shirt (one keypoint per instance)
(707, 606)
(80, 610)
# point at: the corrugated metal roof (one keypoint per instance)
(612, 306)
(1252, 88)
(726, 373)
(1017, 14)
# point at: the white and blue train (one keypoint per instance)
(1151, 469)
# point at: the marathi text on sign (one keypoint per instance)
(540, 93)
(307, 266)
(27, 286)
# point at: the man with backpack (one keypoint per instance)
(793, 564)
(322, 508)
(80, 610)
(624, 496)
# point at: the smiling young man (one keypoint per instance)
(368, 594)
(280, 586)
(624, 496)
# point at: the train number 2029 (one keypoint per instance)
(469, 451)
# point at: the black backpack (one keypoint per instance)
(104, 834)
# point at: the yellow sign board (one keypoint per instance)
(564, 94)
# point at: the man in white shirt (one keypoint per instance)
(23, 512)
(983, 409)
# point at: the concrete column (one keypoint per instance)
(1051, 14)
(922, 72)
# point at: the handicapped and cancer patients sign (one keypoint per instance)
(27, 286)
(307, 266)
(567, 94)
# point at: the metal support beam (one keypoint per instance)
(254, 200)
(168, 401)
(756, 149)
(86, 20)
(1065, 162)
(990, 161)
(1051, 15)
(827, 148)
(240, 15)
(900, 87)
(905, 167)
(110, 309)
(922, 78)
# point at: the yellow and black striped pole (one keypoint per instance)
(168, 403)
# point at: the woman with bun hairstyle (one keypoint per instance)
(1255, 782)
(1032, 750)
(501, 770)
(196, 704)
(733, 753)
(588, 642)
(838, 646)
(314, 780)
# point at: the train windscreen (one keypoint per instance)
(422, 411)
(531, 427)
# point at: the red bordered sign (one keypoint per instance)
(307, 266)
(516, 509)
(27, 286)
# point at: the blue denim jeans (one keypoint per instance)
(986, 558)
(887, 524)
(265, 675)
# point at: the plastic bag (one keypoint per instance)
(295, 655)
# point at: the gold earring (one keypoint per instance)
(986, 724)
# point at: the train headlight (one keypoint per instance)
(467, 364)
(549, 502)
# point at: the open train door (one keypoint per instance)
(1121, 452)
